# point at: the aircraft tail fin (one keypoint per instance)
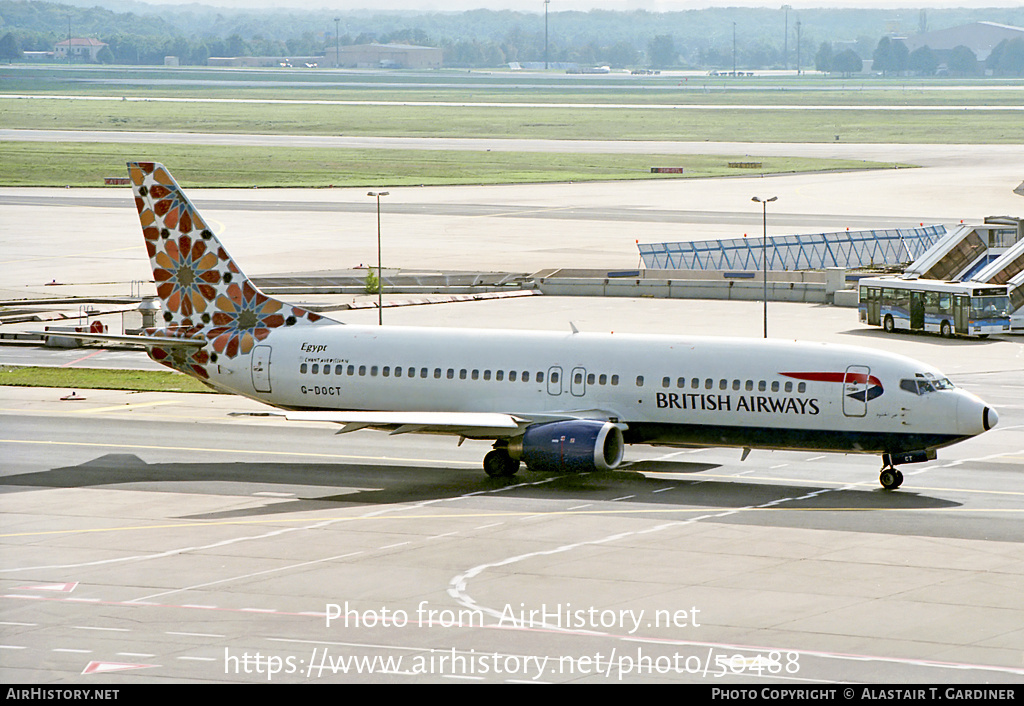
(202, 292)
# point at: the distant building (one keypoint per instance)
(82, 49)
(980, 37)
(266, 61)
(383, 56)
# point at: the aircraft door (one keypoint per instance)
(961, 312)
(554, 380)
(855, 390)
(578, 384)
(916, 311)
(874, 306)
(261, 368)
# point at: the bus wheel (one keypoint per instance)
(889, 325)
(945, 330)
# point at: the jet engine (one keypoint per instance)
(574, 445)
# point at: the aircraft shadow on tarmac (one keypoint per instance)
(347, 484)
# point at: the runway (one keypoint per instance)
(152, 538)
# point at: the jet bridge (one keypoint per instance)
(817, 251)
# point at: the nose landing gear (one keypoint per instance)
(890, 478)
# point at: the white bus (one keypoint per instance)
(947, 308)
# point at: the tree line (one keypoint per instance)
(894, 58)
(716, 38)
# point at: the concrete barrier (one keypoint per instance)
(801, 286)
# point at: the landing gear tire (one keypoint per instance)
(889, 325)
(890, 478)
(498, 464)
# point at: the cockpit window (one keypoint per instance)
(924, 383)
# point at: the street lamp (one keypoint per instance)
(734, 50)
(546, 3)
(380, 276)
(764, 254)
(785, 51)
(337, 41)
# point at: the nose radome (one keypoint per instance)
(973, 416)
(989, 418)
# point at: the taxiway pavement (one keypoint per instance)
(153, 538)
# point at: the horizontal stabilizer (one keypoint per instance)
(149, 341)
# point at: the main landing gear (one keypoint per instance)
(891, 478)
(499, 463)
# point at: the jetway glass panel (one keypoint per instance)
(794, 252)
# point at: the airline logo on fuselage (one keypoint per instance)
(868, 386)
(859, 386)
(711, 402)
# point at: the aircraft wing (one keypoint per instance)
(468, 424)
(473, 425)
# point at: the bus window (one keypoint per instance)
(989, 307)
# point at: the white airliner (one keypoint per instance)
(557, 401)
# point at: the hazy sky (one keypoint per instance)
(556, 5)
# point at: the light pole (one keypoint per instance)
(798, 47)
(734, 50)
(380, 276)
(337, 41)
(546, 3)
(785, 52)
(764, 254)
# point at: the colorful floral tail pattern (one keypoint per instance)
(202, 291)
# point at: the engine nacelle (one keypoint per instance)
(574, 445)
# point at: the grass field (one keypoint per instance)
(86, 164)
(764, 124)
(98, 379)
